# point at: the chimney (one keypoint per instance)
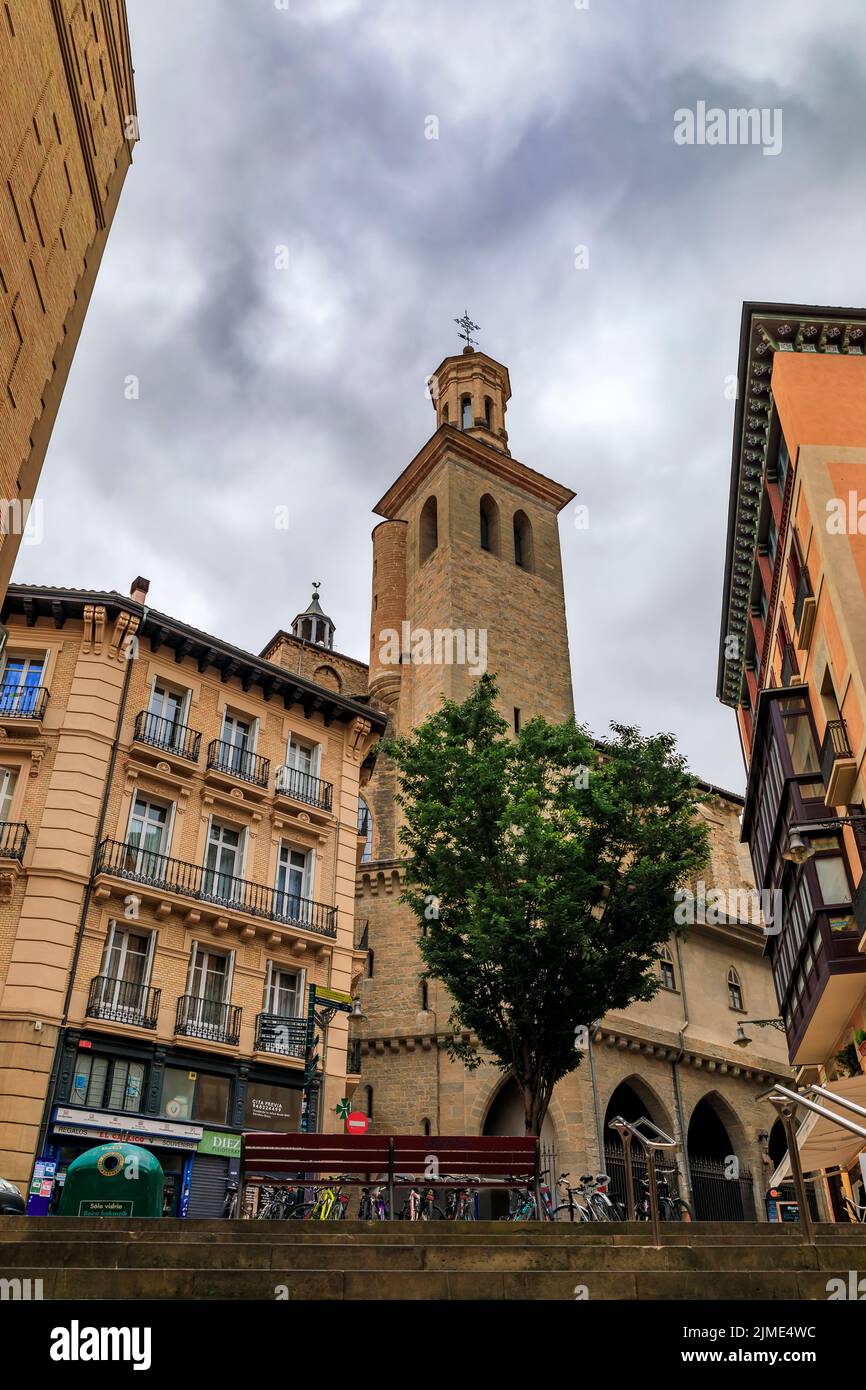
(139, 589)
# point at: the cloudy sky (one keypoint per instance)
(306, 126)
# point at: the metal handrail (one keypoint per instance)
(785, 1101)
(628, 1133)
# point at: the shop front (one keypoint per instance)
(73, 1130)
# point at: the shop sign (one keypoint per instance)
(150, 1125)
(122, 1136)
(224, 1145)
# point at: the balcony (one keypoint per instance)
(13, 839)
(838, 765)
(302, 786)
(281, 1035)
(23, 706)
(825, 984)
(804, 610)
(208, 1019)
(201, 884)
(123, 1001)
(167, 737)
(238, 763)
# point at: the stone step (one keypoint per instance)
(119, 1254)
(292, 1285)
(23, 1229)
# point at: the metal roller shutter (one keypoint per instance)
(207, 1188)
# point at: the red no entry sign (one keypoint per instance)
(356, 1123)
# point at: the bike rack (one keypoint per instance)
(650, 1143)
(785, 1102)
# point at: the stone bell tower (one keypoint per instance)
(467, 578)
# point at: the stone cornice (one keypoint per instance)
(448, 440)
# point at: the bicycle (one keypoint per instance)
(523, 1205)
(373, 1206)
(460, 1204)
(594, 1192)
(418, 1207)
(230, 1205)
(329, 1204)
(856, 1211)
(569, 1209)
(671, 1206)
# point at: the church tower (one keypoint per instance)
(467, 573)
(467, 577)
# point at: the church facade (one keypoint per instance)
(467, 575)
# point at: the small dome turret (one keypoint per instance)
(313, 625)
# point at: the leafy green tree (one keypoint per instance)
(542, 870)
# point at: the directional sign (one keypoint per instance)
(343, 1108)
(356, 1123)
(333, 996)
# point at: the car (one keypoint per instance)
(11, 1201)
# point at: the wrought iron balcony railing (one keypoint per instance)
(13, 839)
(304, 787)
(281, 1034)
(23, 701)
(140, 865)
(208, 1019)
(834, 747)
(238, 762)
(353, 1059)
(168, 735)
(123, 1001)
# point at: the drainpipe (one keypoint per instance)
(675, 1069)
(599, 1131)
(85, 904)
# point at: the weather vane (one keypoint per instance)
(469, 328)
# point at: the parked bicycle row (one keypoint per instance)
(587, 1199)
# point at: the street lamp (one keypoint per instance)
(742, 1039)
(799, 848)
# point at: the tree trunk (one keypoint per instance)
(535, 1104)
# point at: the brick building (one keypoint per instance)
(177, 866)
(67, 127)
(792, 663)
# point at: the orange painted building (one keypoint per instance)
(792, 663)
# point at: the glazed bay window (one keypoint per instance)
(799, 737)
(106, 1083)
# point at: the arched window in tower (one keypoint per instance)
(365, 828)
(466, 413)
(523, 541)
(735, 990)
(488, 412)
(489, 524)
(445, 413)
(428, 534)
(666, 969)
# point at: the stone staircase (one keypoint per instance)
(87, 1258)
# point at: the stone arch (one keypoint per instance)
(498, 1109)
(327, 676)
(714, 1135)
(428, 529)
(631, 1098)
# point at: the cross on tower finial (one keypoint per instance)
(469, 329)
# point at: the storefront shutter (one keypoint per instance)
(207, 1189)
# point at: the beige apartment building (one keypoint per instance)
(178, 851)
(67, 127)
